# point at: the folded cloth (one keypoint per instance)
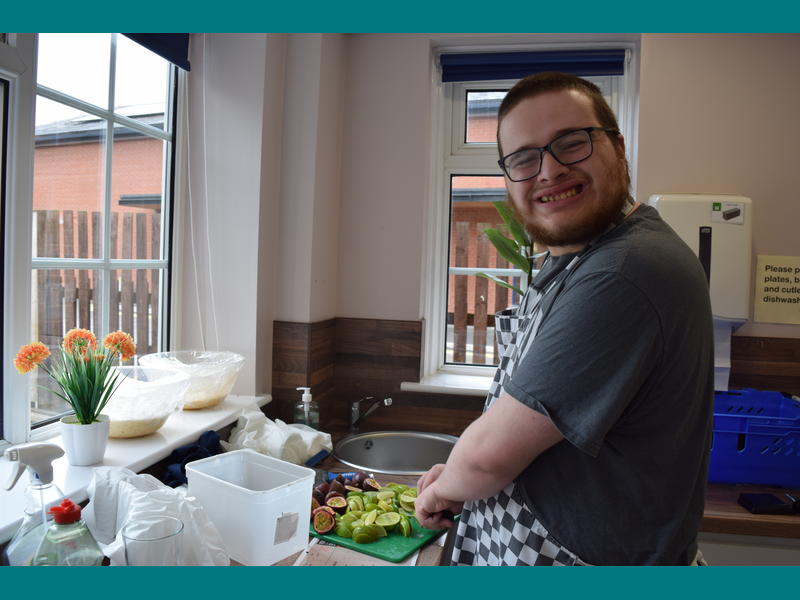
(175, 472)
(294, 443)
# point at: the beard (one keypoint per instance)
(585, 230)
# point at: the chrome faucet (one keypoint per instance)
(356, 416)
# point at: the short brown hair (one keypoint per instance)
(552, 81)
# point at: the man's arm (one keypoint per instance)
(490, 453)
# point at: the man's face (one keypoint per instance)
(564, 207)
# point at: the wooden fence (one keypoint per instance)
(474, 300)
(67, 298)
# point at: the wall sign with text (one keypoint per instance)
(777, 289)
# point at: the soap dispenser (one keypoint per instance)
(68, 542)
(40, 495)
(306, 411)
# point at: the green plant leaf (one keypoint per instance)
(508, 249)
(500, 282)
(515, 228)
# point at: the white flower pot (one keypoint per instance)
(84, 444)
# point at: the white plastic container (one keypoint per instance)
(260, 505)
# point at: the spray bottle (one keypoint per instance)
(40, 495)
(306, 411)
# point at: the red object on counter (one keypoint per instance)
(66, 512)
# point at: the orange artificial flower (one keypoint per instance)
(120, 342)
(79, 340)
(29, 356)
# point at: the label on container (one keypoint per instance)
(727, 212)
(286, 527)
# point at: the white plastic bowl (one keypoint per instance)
(144, 400)
(211, 374)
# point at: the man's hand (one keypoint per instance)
(434, 512)
(429, 477)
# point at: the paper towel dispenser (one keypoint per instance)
(719, 230)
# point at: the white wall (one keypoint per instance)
(272, 165)
(261, 234)
(311, 190)
(718, 114)
(219, 299)
(385, 169)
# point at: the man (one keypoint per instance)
(593, 446)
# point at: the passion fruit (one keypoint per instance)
(338, 486)
(323, 521)
(323, 487)
(370, 484)
(318, 495)
(353, 488)
(358, 478)
(324, 508)
(314, 504)
(337, 503)
(333, 494)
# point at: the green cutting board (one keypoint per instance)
(394, 547)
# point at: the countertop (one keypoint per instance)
(724, 515)
(136, 454)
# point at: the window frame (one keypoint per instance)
(452, 156)
(20, 64)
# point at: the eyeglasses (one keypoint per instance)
(568, 148)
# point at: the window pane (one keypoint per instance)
(472, 300)
(141, 83)
(134, 306)
(136, 199)
(68, 185)
(75, 64)
(63, 299)
(482, 116)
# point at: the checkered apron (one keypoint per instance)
(501, 530)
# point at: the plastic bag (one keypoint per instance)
(117, 494)
(294, 443)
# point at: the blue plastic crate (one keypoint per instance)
(756, 438)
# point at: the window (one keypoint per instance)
(98, 211)
(3, 144)
(460, 305)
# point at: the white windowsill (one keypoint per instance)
(450, 383)
(136, 454)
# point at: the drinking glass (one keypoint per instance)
(152, 541)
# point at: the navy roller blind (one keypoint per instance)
(515, 65)
(173, 47)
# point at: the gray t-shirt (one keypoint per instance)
(622, 363)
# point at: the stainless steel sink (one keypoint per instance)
(394, 452)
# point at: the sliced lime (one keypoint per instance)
(364, 535)
(404, 526)
(388, 520)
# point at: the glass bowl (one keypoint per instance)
(144, 400)
(211, 374)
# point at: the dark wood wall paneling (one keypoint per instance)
(765, 363)
(303, 355)
(346, 359)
